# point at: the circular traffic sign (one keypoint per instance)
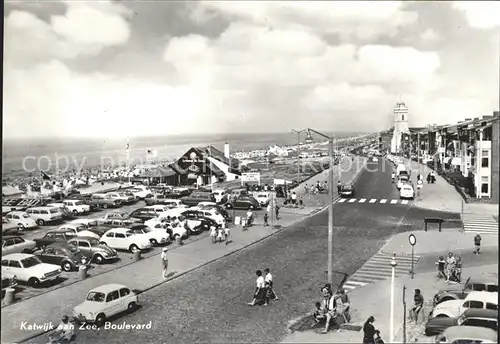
(412, 239)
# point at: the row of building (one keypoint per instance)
(466, 152)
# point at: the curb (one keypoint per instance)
(180, 274)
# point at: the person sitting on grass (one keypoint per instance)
(318, 313)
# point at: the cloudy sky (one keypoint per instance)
(136, 68)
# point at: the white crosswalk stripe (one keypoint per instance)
(404, 202)
(363, 200)
(352, 200)
(480, 223)
(394, 201)
(383, 201)
(373, 200)
(342, 200)
(378, 268)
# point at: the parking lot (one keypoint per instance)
(24, 291)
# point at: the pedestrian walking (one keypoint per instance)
(418, 301)
(213, 234)
(269, 280)
(306, 188)
(369, 331)
(220, 235)
(227, 234)
(164, 262)
(477, 243)
(266, 220)
(393, 177)
(440, 266)
(451, 263)
(301, 202)
(277, 210)
(294, 198)
(260, 290)
(339, 187)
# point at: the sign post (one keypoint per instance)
(250, 177)
(413, 240)
(404, 314)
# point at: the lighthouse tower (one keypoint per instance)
(400, 126)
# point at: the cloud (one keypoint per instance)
(480, 14)
(431, 36)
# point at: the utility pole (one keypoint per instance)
(298, 132)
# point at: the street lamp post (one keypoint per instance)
(298, 132)
(330, 195)
(391, 326)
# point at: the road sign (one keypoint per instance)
(412, 239)
(250, 177)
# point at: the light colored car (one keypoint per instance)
(219, 195)
(8, 226)
(118, 215)
(104, 302)
(475, 299)
(29, 268)
(401, 181)
(79, 230)
(467, 334)
(122, 197)
(168, 227)
(86, 222)
(209, 213)
(124, 239)
(16, 244)
(155, 237)
(406, 191)
(21, 219)
(262, 197)
(43, 215)
(76, 206)
(140, 193)
(93, 250)
(158, 208)
(207, 205)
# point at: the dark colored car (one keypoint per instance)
(62, 254)
(197, 197)
(144, 214)
(460, 291)
(244, 202)
(55, 236)
(93, 250)
(347, 190)
(118, 215)
(471, 317)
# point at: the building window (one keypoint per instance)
(484, 162)
(484, 153)
(402, 117)
(484, 188)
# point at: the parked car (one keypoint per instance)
(168, 227)
(21, 219)
(401, 181)
(158, 208)
(155, 237)
(347, 190)
(78, 230)
(144, 214)
(220, 195)
(54, 236)
(211, 205)
(163, 199)
(77, 207)
(406, 191)
(124, 239)
(104, 201)
(197, 222)
(244, 202)
(460, 291)
(179, 192)
(471, 317)
(212, 214)
(141, 193)
(29, 268)
(9, 227)
(16, 244)
(197, 197)
(87, 200)
(66, 213)
(105, 302)
(118, 215)
(64, 255)
(93, 250)
(122, 197)
(237, 193)
(92, 227)
(43, 215)
(475, 299)
(467, 334)
(263, 197)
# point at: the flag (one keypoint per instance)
(44, 176)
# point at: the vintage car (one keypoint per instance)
(9, 227)
(123, 197)
(172, 229)
(68, 257)
(105, 302)
(76, 206)
(467, 334)
(402, 180)
(118, 215)
(104, 201)
(155, 237)
(212, 214)
(140, 192)
(263, 197)
(54, 236)
(144, 214)
(347, 190)
(29, 268)
(460, 291)
(211, 205)
(66, 213)
(21, 219)
(124, 239)
(244, 202)
(197, 197)
(475, 299)
(16, 244)
(43, 215)
(472, 317)
(407, 191)
(93, 250)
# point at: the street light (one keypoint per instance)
(309, 139)
(298, 132)
(391, 328)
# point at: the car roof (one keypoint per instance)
(17, 212)
(484, 280)
(119, 230)
(470, 332)
(481, 313)
(106, 288)
(17, 256)
(82, 238)
(483, 295)
(11, 237)
(60, 245)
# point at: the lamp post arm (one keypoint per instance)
(320, 134)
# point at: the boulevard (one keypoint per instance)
(210, 304)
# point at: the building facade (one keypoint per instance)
(401, 127)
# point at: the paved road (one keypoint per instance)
(209, 305)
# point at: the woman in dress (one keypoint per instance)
(259, 296)
(369, 331)
(451, 263)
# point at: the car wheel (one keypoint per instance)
(154, 242)
(34, 282)
(133, 248)
(20, 227)
(66, 266)
(105, 206)
(132, 307)
(176, 236)
(40, 222)
(100, 319)
(99, 259)
(75, 212)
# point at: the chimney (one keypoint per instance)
(226, 150)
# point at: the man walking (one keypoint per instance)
(227, 234)
(277, 210)
(266, 222)
(164, 262)
(477, 243)
(339, 187)
(269, 281)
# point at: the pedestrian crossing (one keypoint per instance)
(373, 201)
(378, 268)
(480, 223)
